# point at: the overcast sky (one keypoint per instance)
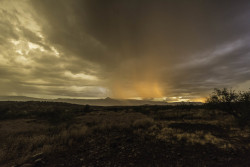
(166, 49)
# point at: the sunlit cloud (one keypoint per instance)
(80, 76)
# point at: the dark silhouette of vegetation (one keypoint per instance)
(234, 103)
(54, 112)
(86, 108)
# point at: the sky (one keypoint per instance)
(145, 49)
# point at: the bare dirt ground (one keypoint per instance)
(126, 137)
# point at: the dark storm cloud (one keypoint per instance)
(131, 38)
(146, 48)
(225, 67)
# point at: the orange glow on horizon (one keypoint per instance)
(148, 90)
(138, 89)
(202, 99)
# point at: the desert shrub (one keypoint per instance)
(19, 148)
(233, 103)
(143, 123)
(86, 108)
(55, 115)
(185, 106)
(3, 112)
(55, 112)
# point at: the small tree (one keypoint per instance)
(236, 104)
(223, 99)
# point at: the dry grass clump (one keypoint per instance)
(22, 147)
(111, 125)
(198, 137)
(106, 121)
(143, 123)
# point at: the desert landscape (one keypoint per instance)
(119, 83)
(37, 133)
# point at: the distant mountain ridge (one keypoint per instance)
(20, 98)
(96, 102)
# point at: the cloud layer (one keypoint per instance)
(123, 49)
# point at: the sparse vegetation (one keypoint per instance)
(55, 134)
(233, 103)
